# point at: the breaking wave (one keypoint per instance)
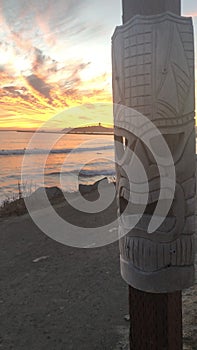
(84, 173)
(15, 152)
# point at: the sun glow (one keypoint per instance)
(50, 62)
(21, 64)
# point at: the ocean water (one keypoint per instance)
(73, 159)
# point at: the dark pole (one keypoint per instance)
(156, 319)
(149, 7)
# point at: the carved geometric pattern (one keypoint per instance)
(137, 66)
(149, 256)
(153, 73)
(156, 67)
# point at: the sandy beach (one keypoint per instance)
(58, 297)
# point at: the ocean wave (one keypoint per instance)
(15, 152)
(84, 173)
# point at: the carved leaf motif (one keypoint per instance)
(175, 88)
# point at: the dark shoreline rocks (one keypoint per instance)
(55, 196)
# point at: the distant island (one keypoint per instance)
(94, 129)
(90, 130)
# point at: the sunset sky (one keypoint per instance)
(55, 55)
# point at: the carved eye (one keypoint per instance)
(124, 142)
(119, 146)
(121, 143)
(123, 203)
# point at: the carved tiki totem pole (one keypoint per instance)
(153, 89)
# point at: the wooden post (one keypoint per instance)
(156, 318)
(153, 90)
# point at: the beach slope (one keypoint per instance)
(59, 297)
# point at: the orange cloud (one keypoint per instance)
(33, 85)
(34, 97)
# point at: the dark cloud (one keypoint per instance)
(75, 76)
(43, 63)
(12, 90)
(39, 58)
(21, 96)
(39, 85)
(73, 81)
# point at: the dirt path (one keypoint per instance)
(57, 297)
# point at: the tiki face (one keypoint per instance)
(153, 75)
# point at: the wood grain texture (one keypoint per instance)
(156, 321)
